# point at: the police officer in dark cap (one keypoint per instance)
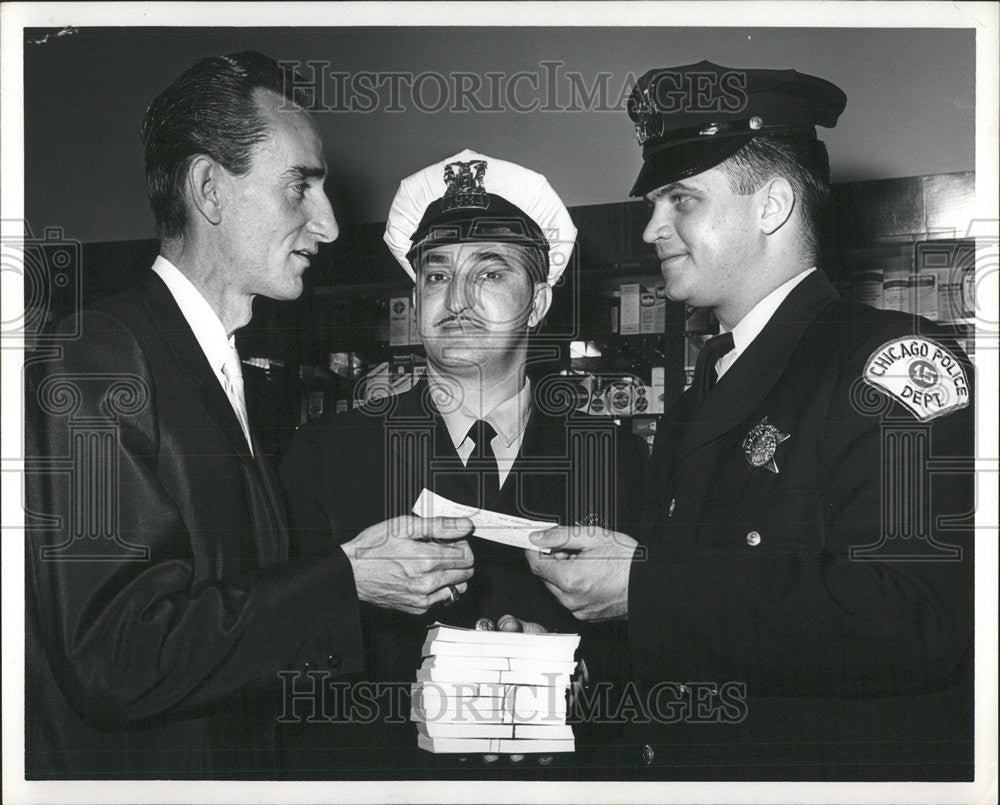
(804, 609)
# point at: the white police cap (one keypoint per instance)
(473, 197)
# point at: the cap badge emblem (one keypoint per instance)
(465, 185)
(761, 443)
(648, 123)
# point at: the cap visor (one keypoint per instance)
(675, 162)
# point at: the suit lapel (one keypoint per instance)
(539, 469)
(180, 340)
(669, 430)
(271, 536)
(440, 469)
(526, 487)
(759, 368)
(272, 544)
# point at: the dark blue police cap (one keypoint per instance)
(689, 119)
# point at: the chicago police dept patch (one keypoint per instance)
(921, 374)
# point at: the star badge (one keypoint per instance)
(761, 443)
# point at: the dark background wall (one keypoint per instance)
(910, 106)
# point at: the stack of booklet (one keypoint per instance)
(493, 692)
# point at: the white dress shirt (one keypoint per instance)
(752, 323)
(509, 419)
(205, 324)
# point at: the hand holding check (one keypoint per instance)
(411, 563)
(587, 570)
(591, 590)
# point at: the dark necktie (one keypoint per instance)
(704, 370)
(483, 462)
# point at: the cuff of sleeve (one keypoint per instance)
(324, 614)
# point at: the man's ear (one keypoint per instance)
(204, 186)
(540, 303)
(778, 200)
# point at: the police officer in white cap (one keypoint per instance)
(484, 240)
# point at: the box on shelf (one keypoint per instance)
(652, 309)
(657, 390)
(399, 321)
(620, 395)
(629, 320)
(924, 288)
(699, 320)
(413, 329)
(866, 287)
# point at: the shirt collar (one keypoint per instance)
(752, 323)
(509, 418)
(206, 325)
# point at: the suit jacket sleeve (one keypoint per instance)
(818, 621)
(186, 627)
(305, 479)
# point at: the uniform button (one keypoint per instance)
(673, 505)
(648, 754)
(753, 539)
(333, 661)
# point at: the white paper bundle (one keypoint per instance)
(494, 692)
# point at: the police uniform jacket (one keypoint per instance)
(160, 602)
(814, 622)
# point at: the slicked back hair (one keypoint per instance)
(211, 110)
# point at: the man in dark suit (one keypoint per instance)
(484, 241)
(161, 604)
(805, 610)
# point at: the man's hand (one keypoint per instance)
(587, 571)
(409, 563)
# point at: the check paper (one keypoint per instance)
(494, 526)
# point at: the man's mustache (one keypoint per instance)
(461, 321)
